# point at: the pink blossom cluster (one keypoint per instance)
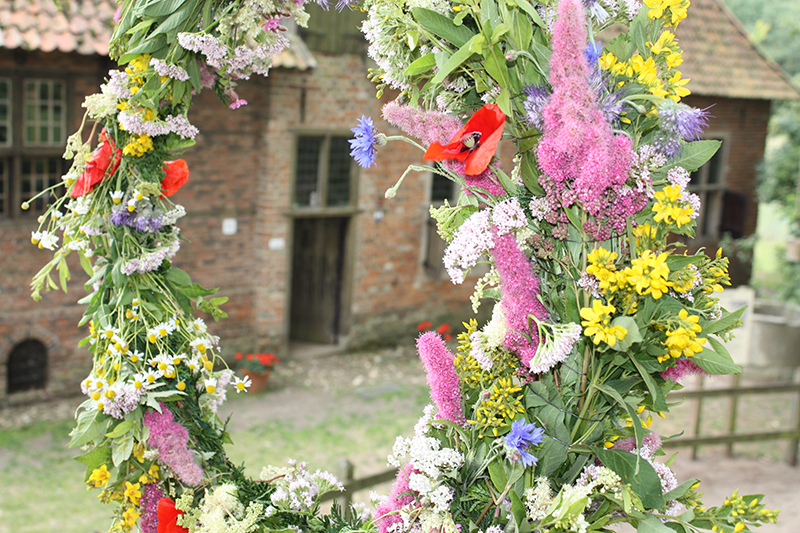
(180, 125)
(471, 242)
(152, 260)
(427, 126)
(442, 377)
(135, 123)
(387, 517)
(582, 161)
(682, 369)
(148, 505)
(520, 290)
(171, 441)
(125, 401)
(165, 69)
(242, 62)
(508, 216)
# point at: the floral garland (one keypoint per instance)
(540, 421)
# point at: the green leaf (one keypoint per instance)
(658, 398)
(632, 336)
(175, 19)
(120, 429)
(95, 458)
(178, 90)
(161, 8)
(716, 362)
(646, 483)
(677, 262)
(681, 490)
(461, 55)
(695, 154)
(638, 431)
(193, 68)
(86, 264)
(196, 290)
(88, 427)
(442, 26)
(529, 10)
(520, 515)
(727, 320)
(421, 65)
(121, 450)
(489, 15)
(179, 277)
(498, 474)
(651, 524)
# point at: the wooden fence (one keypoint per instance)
(734, 393)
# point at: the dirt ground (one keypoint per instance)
(309, 388)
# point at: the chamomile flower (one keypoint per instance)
(116, 197)
(242, 384)
(211, 385)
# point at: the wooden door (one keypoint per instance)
(317, 274)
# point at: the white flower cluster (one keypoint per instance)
(508, 216)
(222, 512)
(471, 242)
(297, 489)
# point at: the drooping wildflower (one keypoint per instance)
(520, 439)
(427, 126)
(363, 146)
(442, 377)
(520, 290)
(475, 143)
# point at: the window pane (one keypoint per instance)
(38, 174)
(307, 171)
(339, 165)
(45, 120)
(4, 164)
(441, 187)
(714, 168)
(5, 112)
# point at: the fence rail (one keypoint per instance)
(790, 434)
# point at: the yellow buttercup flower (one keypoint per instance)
(132, 492)
(597, 324)
(99, 477)
(138, 145)
(682, 337)
(670, 207)
(648, 274)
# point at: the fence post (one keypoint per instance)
(733, 407)
(345, 501)
(791, 452)
(696, 415)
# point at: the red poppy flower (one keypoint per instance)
(177, 174)
(168, 517)
(249, 357)
(239, 356)
(422, 326)
(97, 167)
(444, 328)
(475, 143)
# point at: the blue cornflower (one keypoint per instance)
(522, 437)
(592, 53)
(362, 147)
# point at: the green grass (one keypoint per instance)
(42, 489)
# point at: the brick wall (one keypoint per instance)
(54, 320)
(742, 124)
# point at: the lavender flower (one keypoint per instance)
(170, 71)
(522, 437)
(536, 98)
(678, 123)
(363, 145)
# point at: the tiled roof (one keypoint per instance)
(84, 26)
(720, 60)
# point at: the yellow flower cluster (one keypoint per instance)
(501, 405)
(597, 324)
(138, 145)
(682, 337)
(98, 478)
(602, 267)
(670, 207)
(673, 10)
(648, 274)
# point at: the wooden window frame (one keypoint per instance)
(323, 177)
(711, 194)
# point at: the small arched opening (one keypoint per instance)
(27, 366)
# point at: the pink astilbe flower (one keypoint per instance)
(170, 440)
(442, 377)
(682, 368)
(386, 516)
(148, 505)
(582, 161)
(427, 126)
(520, 290)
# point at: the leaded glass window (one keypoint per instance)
(45, 113)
